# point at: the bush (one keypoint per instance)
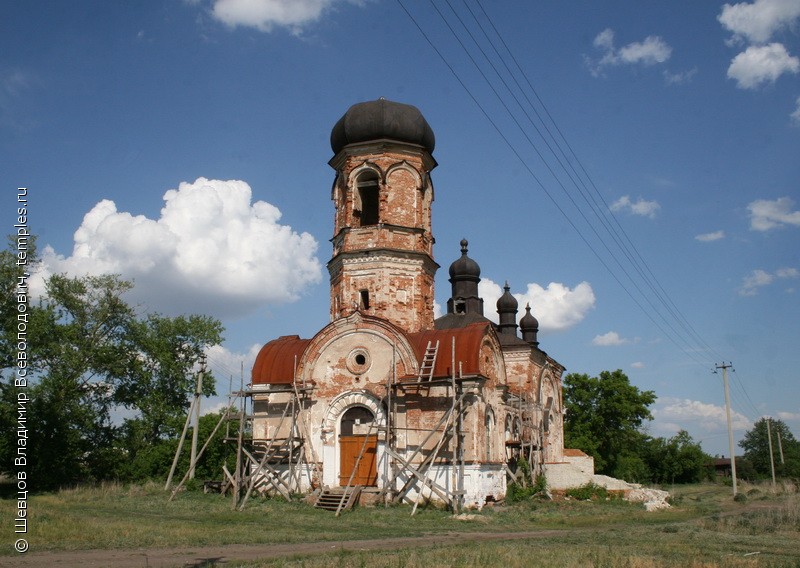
(540, 485)
(516, 493)
(590, 491)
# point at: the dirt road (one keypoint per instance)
(197, 557)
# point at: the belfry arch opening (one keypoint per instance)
(367, 203)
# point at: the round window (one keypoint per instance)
(358, 361)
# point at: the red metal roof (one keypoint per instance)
(467, 348)
(275, 363)
(573, 453)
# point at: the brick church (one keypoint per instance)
(386, 397)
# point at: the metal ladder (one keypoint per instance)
(428, 362)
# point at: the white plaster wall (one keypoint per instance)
(481, 483)
(568, 474)
(584, 463)
(303, 471)
(330, 371)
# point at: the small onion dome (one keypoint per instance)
(529, 326)
(507, 309)
(528, 322)
(507, 302)
(382, 119)
(465, 268)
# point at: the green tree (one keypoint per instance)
(161, 374)
(10, 271)
(756, 449)
(603, 417)
(152, 460)
(677, 460)
(89, 355)
(632, 466)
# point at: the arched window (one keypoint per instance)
(548, 408)
(357, 420)
(489, 433)
(366, 206)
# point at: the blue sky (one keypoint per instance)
(184, 144)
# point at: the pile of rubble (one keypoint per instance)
(653, 499)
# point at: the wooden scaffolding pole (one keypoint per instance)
(451, 424)
(454, 437)
(223, 417)
(459, 488)
(180, 446)
(237, 473)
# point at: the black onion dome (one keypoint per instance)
(507, 302)
(528, 322)
(465, 268)
(376, 120)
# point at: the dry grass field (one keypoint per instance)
(704, 528)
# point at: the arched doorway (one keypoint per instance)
(358, 437)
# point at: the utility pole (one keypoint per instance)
(196, 423)
(780, 446)
(771, 457)
(725, 368)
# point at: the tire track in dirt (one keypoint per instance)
(188, 557)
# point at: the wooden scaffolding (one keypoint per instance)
(408, 471)
(277, 462)
(442, 444)
(525, 438)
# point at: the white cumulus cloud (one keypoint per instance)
(227, 364)
(757, 22)
(651, 51)
(265, 15)
(640, 207)
(557, 307)
(648, 52)
(795, 116)
(760, 278)
(211, 251)
(768, 214)
(710, 237)
(679, 78)
(755, 280)
(761, 64)
(437, 310)
(231, 370)
(696, 415)
(610, 339)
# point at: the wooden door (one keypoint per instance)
(367, 470)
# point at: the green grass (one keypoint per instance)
(705, 528)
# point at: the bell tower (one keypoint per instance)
(382, 261)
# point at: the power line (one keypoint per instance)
(737, 382)
(601, 213)
(674, 335)
(606, 209)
